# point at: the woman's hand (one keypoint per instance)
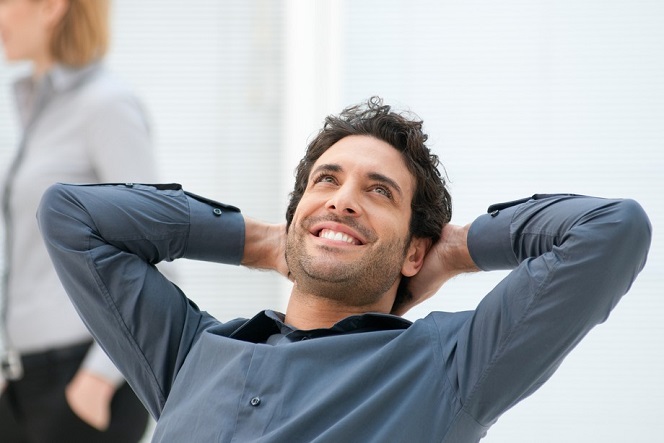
(89, 396)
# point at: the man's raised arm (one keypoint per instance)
(573, 258)
(104, 241)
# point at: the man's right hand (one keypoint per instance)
(265, 246)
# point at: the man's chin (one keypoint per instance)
(329, 273)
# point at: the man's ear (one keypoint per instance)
(417, 250)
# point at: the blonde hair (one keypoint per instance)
(82, 36)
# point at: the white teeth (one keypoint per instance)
(337, 236)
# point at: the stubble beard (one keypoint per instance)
(359, 283)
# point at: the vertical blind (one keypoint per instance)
(211, 74)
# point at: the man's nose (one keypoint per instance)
(345, 201)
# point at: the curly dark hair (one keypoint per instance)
(431, 205)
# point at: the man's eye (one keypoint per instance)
(324, 179)
(383, 191)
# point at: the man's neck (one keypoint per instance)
(306, 311)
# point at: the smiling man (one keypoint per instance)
(349, 236)
(367, 236)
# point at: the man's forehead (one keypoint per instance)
(369, 156)
(362, 149)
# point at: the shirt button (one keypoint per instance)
(216, 211)
(255, 401)
(495, 213)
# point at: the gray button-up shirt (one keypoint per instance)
(80, 125)
(370, 378)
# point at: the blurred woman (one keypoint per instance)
(80, 125)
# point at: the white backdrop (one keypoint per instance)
(518, 97)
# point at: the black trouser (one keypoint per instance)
(35, 410)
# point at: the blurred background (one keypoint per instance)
(518, 97)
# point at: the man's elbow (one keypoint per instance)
(635, 231)
(618, 240)
(54, 213)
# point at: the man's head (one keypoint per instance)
(430, 203)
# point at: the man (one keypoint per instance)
(367, 237)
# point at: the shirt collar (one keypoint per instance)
(64, 77)
(267, 323)
(28, 91)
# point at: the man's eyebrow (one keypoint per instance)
(328, 167)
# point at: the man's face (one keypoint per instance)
(350, 231)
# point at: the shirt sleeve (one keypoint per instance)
(573, 257)
(104, 241)
(97, 362)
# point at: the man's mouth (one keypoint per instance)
(338, 236)
(343, 231)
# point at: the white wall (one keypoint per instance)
(518, 97)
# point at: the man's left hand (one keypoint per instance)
(447, 258)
